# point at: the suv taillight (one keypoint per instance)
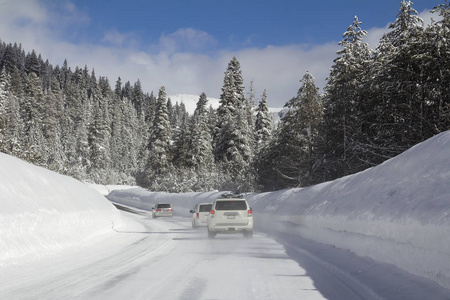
(212, 212)
(158, 209)
(249, 212)
(169, 209)
(197, 215)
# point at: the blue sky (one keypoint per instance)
(186, 45)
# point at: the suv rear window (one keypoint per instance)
(163, 205)
(205, 208)
(231, 205)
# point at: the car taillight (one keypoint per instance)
(158, 209)
(169, 209)
(197, 215)
(212, 212)
(249, 212)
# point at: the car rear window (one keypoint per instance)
(205, 208)
(231, 205)
(164, 205)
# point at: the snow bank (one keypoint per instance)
(43, 212)
(397, 212)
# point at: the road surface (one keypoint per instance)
(170, 260)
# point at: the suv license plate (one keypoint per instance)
(230, 217)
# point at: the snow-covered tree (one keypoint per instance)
(310, 115)
(159, 165)
(99, 134)
(396, 81)
(200, 156)
(289, 158)
(342, 102)
(233, 149)
(263, 124)
(434, 60)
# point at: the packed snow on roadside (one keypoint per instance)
(43, 212)
(396, 213)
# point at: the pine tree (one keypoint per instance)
(288, 160)
(32, 64)
(4, 83)
(138, 98)
(263, 124)
(181, 140)
(159, 166)
(10, 59)
(199, 156)
(341, 129)
(12, 127)
(310, 116)
(232, 135)
(99, 134)
(51, 126)
(396, 81)
(434, 60)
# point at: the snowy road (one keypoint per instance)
(167, 260)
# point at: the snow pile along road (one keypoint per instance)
(396, 213)
(43, 212)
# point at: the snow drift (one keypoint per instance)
(43, 212)
(397, 212)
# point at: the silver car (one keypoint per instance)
(200, 214)
(162, 210)
(230, 214)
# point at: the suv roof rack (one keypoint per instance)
(232, 195)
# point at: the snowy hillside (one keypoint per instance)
(43, 212)
(397, 212)
(190, 101)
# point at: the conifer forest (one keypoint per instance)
(376, 104)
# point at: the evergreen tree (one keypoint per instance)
(4, 83)
(289, 159)
(32, 110)
(159, 166)
(310, 115)
(53, 109)
(10, 59)
(341, 129)
(32, 64)
(199, 156)
(99, 134)
(181, 141)
(138, 98)
(263, 124)
(232, 135)
(396, 83)
(12, 130)
(118, 89)
(434, 60)
(149, 109)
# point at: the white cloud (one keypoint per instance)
(114, 37)
(176, 62)
(186, 40)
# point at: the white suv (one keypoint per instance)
(200, 214)
(230, 214)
